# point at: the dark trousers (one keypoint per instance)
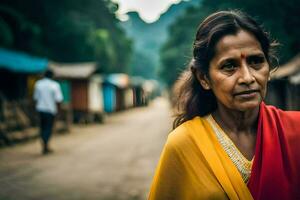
(46, 126)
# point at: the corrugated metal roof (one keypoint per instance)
(73, 70)
(137, 81)
(295, 79)
(21, 62)
(120, 80)
(150, 85)
(289, 69)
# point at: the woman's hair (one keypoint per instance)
(191, 99)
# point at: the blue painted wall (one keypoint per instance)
(109, 98)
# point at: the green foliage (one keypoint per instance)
(6, 35)
(149, 38)
(103, 40)
(142, 65)
(176, 52)
(67, 31)
(16, 30)
(279, 17)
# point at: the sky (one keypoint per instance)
(149, 10)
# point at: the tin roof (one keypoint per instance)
(73, 70)
(119, 79)
(295, 79)
(21, 62)
(137, 81)
(290, 68)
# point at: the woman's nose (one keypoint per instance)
(246, 76)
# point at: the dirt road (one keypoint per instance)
(111, 161)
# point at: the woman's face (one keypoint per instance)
(238, 73)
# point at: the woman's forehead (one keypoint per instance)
(242, 43)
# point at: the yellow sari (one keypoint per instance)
(194, 166)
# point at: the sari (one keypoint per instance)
(194, 165)
(275, 171)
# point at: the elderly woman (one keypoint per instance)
(227, 143)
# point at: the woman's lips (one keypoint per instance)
(247, 94)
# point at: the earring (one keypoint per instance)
(205, 85)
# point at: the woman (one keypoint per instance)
(227, 144)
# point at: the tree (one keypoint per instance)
(176, 52)
(68, 31)
(279, 17)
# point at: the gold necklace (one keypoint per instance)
(242, 164)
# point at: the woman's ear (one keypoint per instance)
(203, 80)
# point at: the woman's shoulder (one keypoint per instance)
(285, 120)
(286, 115)
(183, 134)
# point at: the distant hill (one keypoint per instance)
(148, 37)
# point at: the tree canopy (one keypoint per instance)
(279, 17)
(66, 31)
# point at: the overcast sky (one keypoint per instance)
(149, 10)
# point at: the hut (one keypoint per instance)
(138, 91)
(117, 93)
(294, 94)
(17, 69)
(83, 88)
(151, 89)
(284, 87)
(109, 97)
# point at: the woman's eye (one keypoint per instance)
(230, 66)
(256, 60)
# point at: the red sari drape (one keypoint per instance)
(276, 166)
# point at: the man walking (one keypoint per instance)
(48, 95)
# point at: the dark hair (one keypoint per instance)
(190, 98)
(49, 73)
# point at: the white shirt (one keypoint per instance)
(47, 93)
